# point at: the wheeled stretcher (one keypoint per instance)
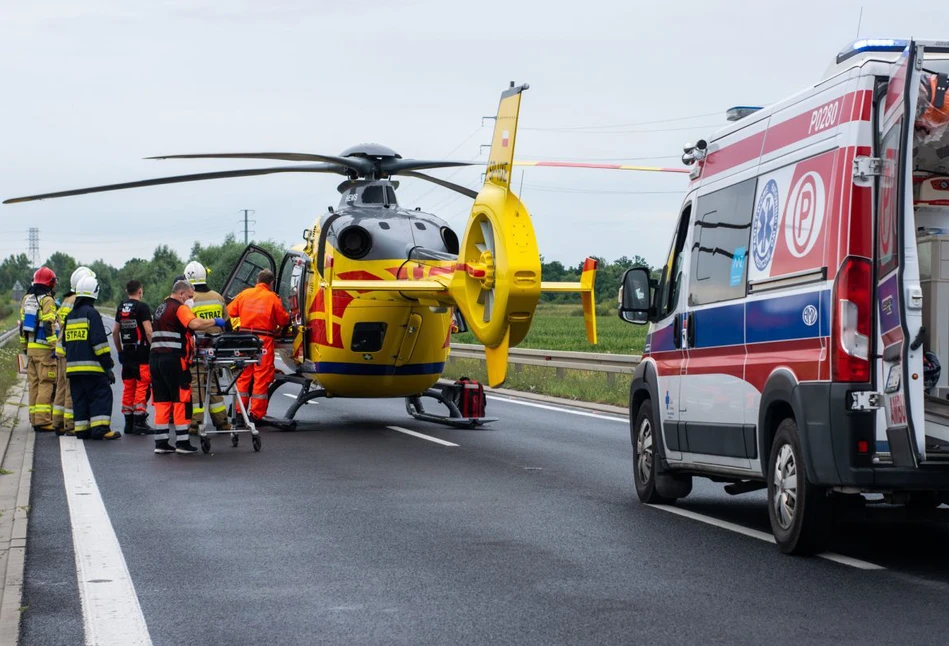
(225, 357)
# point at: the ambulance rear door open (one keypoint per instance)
(898, 351)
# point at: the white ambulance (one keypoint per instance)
(797, 327)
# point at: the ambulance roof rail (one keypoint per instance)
(740, 112)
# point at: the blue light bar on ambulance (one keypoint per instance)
(871, 45)
(740, 112)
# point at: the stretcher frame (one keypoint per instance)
(213, 367)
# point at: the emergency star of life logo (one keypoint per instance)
(805, 214)
(764, 228)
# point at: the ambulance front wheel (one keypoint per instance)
(654, 485)
(801, 513)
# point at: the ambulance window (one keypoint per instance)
(887, 256)
(671, 278)
(720, 244)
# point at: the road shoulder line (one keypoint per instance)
(110, 606)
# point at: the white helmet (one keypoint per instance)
(87, 287)
(196, 273)
(81, 272)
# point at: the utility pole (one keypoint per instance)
(248, 212)
(34, 247)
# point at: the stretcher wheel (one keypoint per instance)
(205, 445)
(256, 442)
(235, 439)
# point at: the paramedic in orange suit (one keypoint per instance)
(261, 312)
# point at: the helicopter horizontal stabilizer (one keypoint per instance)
(585, 288)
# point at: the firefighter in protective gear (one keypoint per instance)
(89, 365)
(38, 341)
(260, 311)
(208, 304)
(132, 334)
(62, 402)
(169, 362)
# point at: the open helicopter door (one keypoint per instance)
(254, 260)
(292, 285)
(898, 294)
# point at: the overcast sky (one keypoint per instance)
(89, 87)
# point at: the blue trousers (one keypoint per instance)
(91, 404)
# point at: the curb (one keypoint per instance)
(16, 455)
(547, 399)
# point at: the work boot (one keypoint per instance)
(45, 428)
(141, 427)
(185, 447)
(106, 434)
(129, 425)
(60, 431)
(162, 447)
(82, 435)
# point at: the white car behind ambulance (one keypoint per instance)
(795, 329)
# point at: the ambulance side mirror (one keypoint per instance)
(636, 296)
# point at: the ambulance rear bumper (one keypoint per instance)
(831, 438)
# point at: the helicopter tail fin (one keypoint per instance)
(585, 288)
(496, 360)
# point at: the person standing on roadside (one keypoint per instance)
(172, 351)
(132, 333)
(38, 342)
(62, 402)
(260, 311)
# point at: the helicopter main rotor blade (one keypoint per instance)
(354, 163)
(311, 168)
(467, 192)
(396, 166)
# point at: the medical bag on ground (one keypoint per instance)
(471, 398)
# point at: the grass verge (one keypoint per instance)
(581, 385)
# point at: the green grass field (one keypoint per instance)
(560, 327)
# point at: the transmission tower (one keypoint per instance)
(246, 213)
(34, 247)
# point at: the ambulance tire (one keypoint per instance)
(654, 485)
(806, 520)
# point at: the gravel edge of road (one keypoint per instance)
(17, 441)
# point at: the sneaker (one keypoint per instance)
(164, 447)
(185, 448)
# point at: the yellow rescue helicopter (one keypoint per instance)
(375, 290)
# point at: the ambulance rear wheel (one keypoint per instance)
(801, 513)
(653, 484)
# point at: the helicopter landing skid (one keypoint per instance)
(414, 407)
(307, 393)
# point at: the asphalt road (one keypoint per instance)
(347, 532)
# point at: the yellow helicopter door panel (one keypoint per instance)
(413, 330)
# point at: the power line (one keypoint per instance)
(631, 125)
(571, 131)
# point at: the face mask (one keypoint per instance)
(189, 303)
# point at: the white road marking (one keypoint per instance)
(424, 437)
(110, 607)
(521, 402)
(763, 536)
(309, 403)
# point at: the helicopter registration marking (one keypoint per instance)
(416, 434)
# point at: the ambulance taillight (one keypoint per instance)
(853, 312)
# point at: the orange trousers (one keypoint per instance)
(135, 390)
(254, 382)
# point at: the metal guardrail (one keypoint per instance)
(562, 360)
(6, 336)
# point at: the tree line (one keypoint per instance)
(157, 273)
